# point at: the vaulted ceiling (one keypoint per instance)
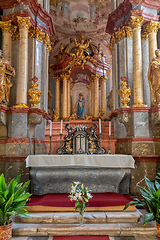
(74, 17)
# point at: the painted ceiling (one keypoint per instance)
(74, 17)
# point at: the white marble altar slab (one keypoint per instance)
(103, 160)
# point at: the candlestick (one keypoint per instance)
(50, 151)
(61, 125)
(99, 125)
(50, 128)
(109, 128)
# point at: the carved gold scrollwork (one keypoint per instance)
(124, 93)
(39, 35)
(112, 42)
(47, 42)
(34, 93)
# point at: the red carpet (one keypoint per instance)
(62, 200)
(81, 238)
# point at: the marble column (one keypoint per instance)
(145, 65)
(96, 95)
(22, 78)
(100, 98)
(65, 78)
(92, 96)
(152, 28)
(69, 97)
(103, 94)
(57, 97)
(89, 100)
(136, 23)
(7, 34)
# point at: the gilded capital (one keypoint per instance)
(136, 22)
(24, 22)
(57, 79)
(15, 33)
(65, 76)
(108, 72)
(6, 26)
(103, 78)
(152, 26)
(71, 86)
(94, 77)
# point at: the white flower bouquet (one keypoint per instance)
(81, 196)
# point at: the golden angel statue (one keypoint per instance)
(6, 70)
(154, 77)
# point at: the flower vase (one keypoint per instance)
(81, 217)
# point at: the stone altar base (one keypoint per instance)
(58, 179)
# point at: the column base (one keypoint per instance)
(139, 105)
(21, 105)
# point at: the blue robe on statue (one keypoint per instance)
(80, 108)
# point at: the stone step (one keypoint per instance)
(116, 229)
(149, 237)
(72, 218)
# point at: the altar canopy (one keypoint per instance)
(102, 160)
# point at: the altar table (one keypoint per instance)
(101, 173)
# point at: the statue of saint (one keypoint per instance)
(154, 77)
(6, 70)
(80, 108)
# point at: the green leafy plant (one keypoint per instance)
(150, 201)
(12, 199)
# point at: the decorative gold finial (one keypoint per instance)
(124, 92)
(34, 93)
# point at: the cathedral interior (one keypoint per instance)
(80, 62)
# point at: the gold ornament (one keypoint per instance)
(24, 22)
(94, 77)
(154, 78)
(144, 34)
(34, 93)
(55, 115)
(49, 97)
(89, 87)
(6, 70)
(112, 42)
(124, 92)
(88, 117)
(32, 32)
(129, 32)
(120, 34)
(101, 114)
(40, 35)
(79, 58)
(73, 116)
(47, 42)
(15, 33)
(136, 22)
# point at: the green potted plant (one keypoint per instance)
(12, 200)
(150, 201)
